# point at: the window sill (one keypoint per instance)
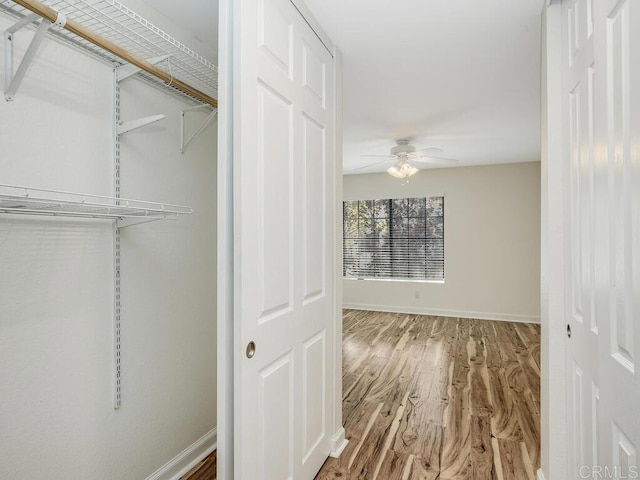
(403, 280)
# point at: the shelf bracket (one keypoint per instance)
(130, 125)
(128, 70)
(184, 141)
(130, 222)
(13, 81)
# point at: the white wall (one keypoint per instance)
(56, 283)
(492, 243)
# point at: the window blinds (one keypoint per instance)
(394, 238)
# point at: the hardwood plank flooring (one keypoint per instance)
(434, 398)
(438, 398)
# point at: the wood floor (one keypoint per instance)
(438, 398)
(434, 398)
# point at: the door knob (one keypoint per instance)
(251, 349)
(568, 330)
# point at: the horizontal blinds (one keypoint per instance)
(394, 238)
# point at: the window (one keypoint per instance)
(401, 238)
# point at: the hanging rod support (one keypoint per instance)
(127, 70)
(75, 27)
(130, 125)
(185, 142)
(12, 82)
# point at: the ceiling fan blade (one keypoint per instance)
(378, 156)
(368, 166)
(436, 160)
(430, 149)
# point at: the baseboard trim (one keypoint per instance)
(540, 475)
(445, 313)
(188, 458)
(338, 443)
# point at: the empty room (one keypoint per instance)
(319, 240)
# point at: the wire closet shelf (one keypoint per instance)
(38, 201)
(118, 24)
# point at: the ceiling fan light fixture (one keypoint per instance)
(403, 153)
(402, 169)
(409, 169)
(394, 171)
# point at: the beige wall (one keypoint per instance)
(492, 243)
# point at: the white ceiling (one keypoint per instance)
(462, 75)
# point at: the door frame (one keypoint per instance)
(228, 34)
(554, 190)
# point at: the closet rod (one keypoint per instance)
(74, 27)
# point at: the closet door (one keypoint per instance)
(601, 44)
(284, 243)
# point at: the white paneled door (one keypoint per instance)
(601, 83)
(284, 243)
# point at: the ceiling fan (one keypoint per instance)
(405, 154)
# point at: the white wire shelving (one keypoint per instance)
(133, 46)
(118, 24)
(126, 212)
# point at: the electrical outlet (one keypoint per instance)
(417, 293)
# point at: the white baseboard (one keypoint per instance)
(445, 313)
(188, 458)
(540, 475)
(338, 443)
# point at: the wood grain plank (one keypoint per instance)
(530, 427)
(365, 465)
(504, 421)
(507, 341)
(481, 449)
(512, 462)
(456, 445)
(349, 381)
(430, 394)
(494, 358)
(364, 384)
(393, 466)
(355, 420)
(426, 324)
(389, 375)
(427, 450)
(333, 469)
(481, 405)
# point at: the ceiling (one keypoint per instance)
(461, 75)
